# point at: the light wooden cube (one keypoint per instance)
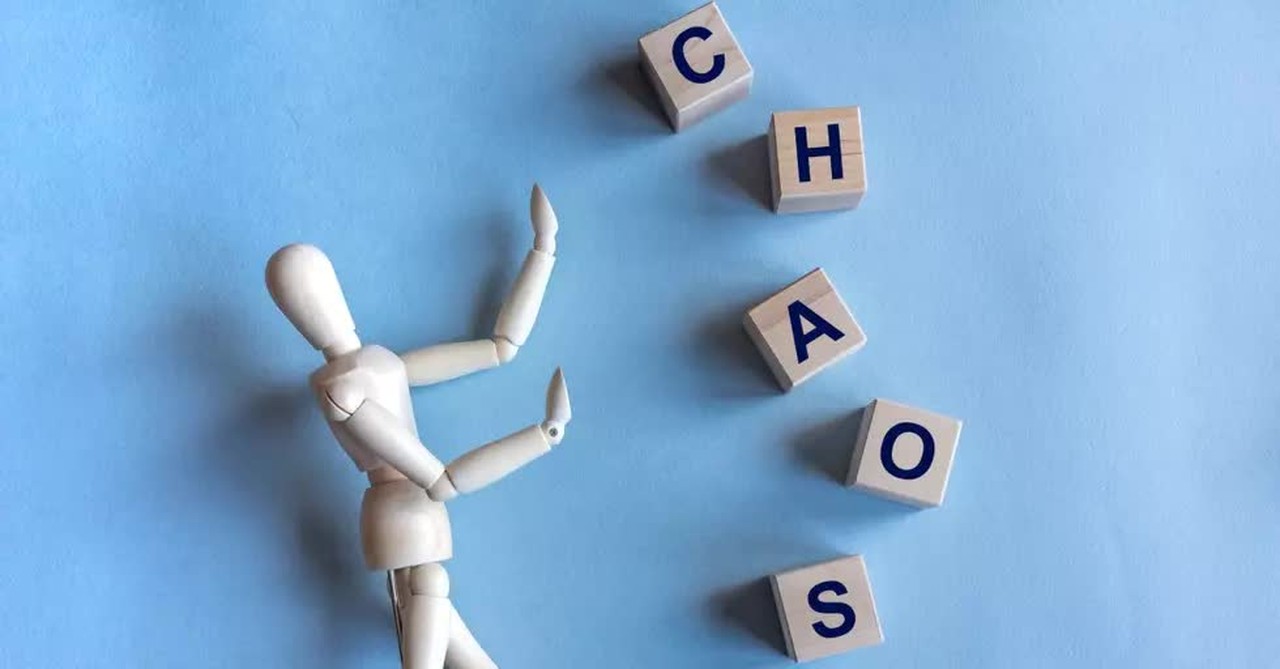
(807, 173)
(696, 66)
(803, 329)
(826, 609)
(904, 453)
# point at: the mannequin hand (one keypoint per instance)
(559, 413)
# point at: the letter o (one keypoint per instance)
(926, 454)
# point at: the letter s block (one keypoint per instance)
(696, 66)
(904, 453)
(816, 161)
(826, 609)
(803, 329)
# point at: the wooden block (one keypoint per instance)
(803, 329)
(807, 173)
(904, 453)
(696, 66)
(826, 609)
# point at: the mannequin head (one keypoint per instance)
(304, 286)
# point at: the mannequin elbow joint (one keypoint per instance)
(506, 350)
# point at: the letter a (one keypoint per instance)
(821, 328)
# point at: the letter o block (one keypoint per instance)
(816, 161)
(904, 453)
(826, 609)
(803, 329)
(696, 66)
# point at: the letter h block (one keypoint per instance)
(826, 609)
(816, 161)
(803, 329)
(696, 66)
(904, 453)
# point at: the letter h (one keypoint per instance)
(832, 150)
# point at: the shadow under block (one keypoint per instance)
(806, 172)
(803, 329)
(826, 609)
(904, 453)
(696, 66)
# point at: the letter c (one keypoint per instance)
(682, 63)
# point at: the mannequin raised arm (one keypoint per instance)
(442, 362)
(379, 431)
(493, 461)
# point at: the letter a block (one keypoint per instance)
(816, 161)
(904, 453)
(696, 65)
(826, 609)
(803, 329)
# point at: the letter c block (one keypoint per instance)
(904, 453)
(826, 609)
(696, 66)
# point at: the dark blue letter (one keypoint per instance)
(926, 455)
(682, 63)
(831, 150)
(821, 327)
(835, 608)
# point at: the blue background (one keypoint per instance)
(1069, 242)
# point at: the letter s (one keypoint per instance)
(833, 608)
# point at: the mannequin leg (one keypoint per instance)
(464, 651)
(427, 617)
